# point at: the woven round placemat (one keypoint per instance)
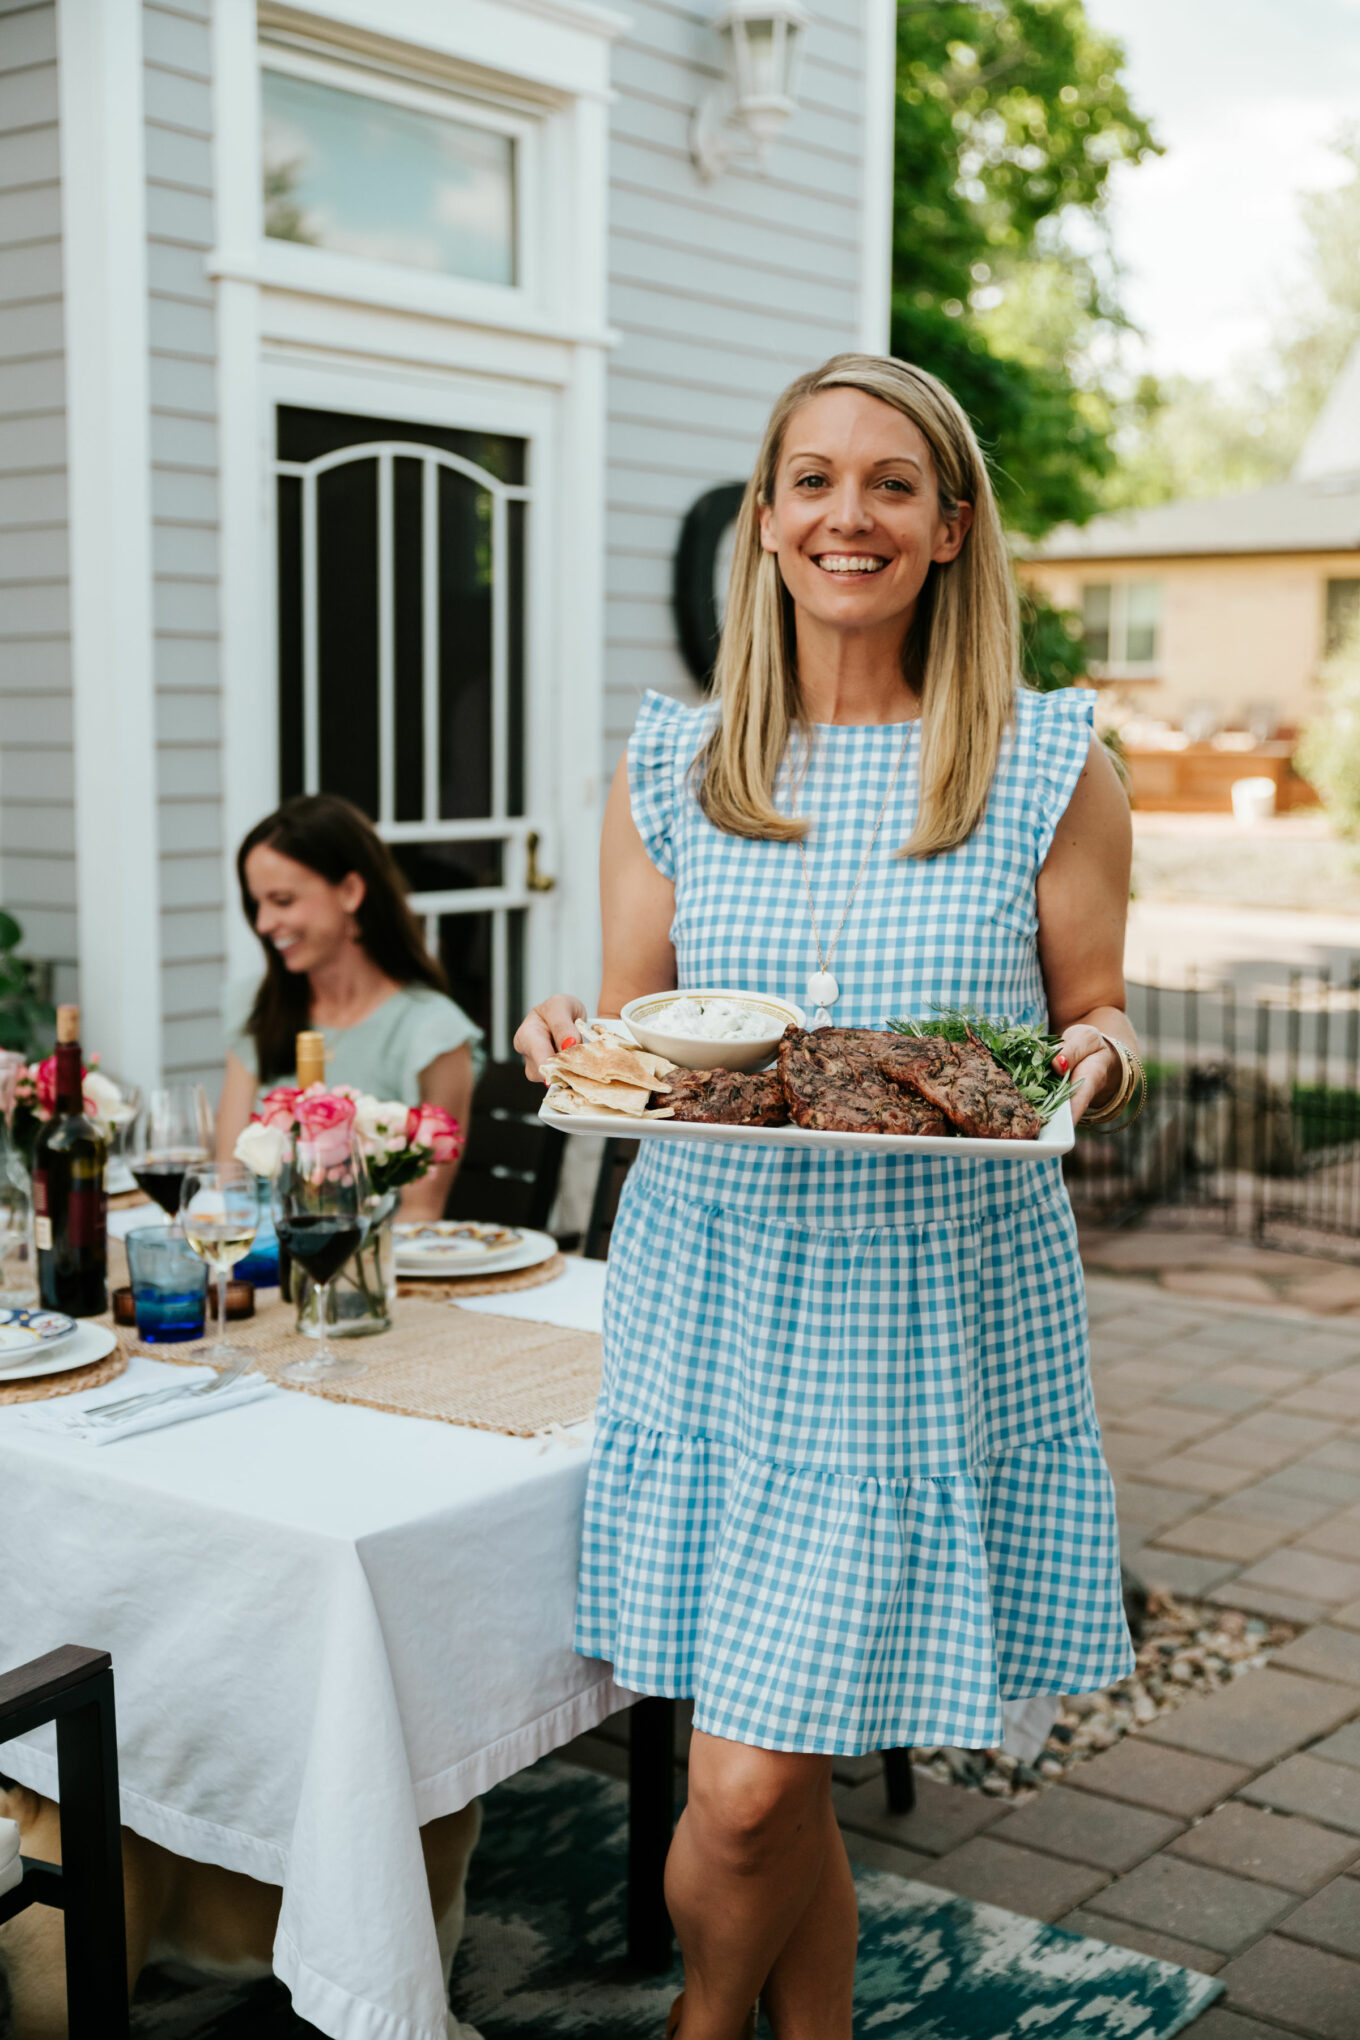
(93, 1375)
(458, 1367)
(458, 1286)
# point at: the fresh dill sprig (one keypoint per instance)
(1024, 1053)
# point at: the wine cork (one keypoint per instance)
(311, 1059)
(68, 1023)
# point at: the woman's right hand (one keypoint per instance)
(553, 1024)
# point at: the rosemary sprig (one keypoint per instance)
(1024, 1053)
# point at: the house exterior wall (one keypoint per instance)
(1235, 630)
(721, 293)
(717, 294)
(37, 795)
(177, 83)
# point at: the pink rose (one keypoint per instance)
(326, 1123)
(279, 1107)
(430, 1126)
(47, 1084)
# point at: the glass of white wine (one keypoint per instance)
(219, 1210)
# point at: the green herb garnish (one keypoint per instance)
(1024, 1053)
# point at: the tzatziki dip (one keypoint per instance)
(712, 1020)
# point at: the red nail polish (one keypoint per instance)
(569, 1041)
(1061, 1061)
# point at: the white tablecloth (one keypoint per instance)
(328, 1626)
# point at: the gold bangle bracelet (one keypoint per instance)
(1132, 1077)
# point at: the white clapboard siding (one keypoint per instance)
(721, 293)
(182, 378)
(37, 830)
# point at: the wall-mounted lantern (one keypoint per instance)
(740, 117)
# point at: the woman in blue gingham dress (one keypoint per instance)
(847, 1489)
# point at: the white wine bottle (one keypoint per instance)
(70, 1208)
(311, 1058)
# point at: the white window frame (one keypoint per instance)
(1116, 667)
(384, 341)
(424, 290)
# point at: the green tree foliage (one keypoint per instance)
(1052, 654)
(1010, 114)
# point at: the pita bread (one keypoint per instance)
(632, 1099)
(609, 1062)
(566, 1101)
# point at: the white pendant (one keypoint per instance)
(822, 988)
(821, 1018)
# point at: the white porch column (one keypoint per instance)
(103, 193)
(879, 29)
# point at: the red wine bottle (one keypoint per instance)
(70, 1209)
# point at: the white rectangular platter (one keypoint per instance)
(1056, 1138)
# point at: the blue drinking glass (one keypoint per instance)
(169, 1285)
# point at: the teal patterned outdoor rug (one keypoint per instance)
(543, 1954)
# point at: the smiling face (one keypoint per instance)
(855, 518)
(300, 913)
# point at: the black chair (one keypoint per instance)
(74, 1688)
(512, 1161)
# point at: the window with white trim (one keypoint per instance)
(1122, 626)
(380, 170)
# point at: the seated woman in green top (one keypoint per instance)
(343, 954)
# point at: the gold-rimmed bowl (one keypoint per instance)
(647, 1022)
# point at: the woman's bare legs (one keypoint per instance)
(757, 1866)
(807, 1993)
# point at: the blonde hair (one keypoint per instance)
(960, 652)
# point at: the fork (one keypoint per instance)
(108, 1413)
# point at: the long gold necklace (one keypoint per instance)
(822, 988)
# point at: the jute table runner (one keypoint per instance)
(488, 1373)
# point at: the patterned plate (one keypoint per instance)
(449, 1246)
(525, 1250)
(89, 1341)
(23, 1333)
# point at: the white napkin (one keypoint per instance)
(11, 1869)
(76, 1422)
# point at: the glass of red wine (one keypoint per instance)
(174, 1133)
(323, 1203)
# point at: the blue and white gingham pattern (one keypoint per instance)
(847, 1489)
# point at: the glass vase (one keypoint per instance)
(364, 1293)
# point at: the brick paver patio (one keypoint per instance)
(1225, 1835)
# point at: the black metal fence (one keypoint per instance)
(1252, 1124)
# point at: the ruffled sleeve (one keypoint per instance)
(665, 738)
(432, 1026)
(1063, 723)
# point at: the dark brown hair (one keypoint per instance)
(333, 838)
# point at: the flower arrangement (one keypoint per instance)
(400, 1143)
(30, 1095)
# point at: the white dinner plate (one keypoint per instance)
(87, 1343)
(1055, 1139)
(533, 1249)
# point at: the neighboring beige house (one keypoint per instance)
(1216, 613)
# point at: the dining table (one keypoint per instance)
(329, 1624)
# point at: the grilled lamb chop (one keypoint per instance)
(832, 1082)
(966, 1082)
(727, 1098)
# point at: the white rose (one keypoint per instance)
(381, 1126)
(106, 1099)
(261, 1147)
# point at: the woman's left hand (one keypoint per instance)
(1091, 1064)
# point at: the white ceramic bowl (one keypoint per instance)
(646, 1020)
